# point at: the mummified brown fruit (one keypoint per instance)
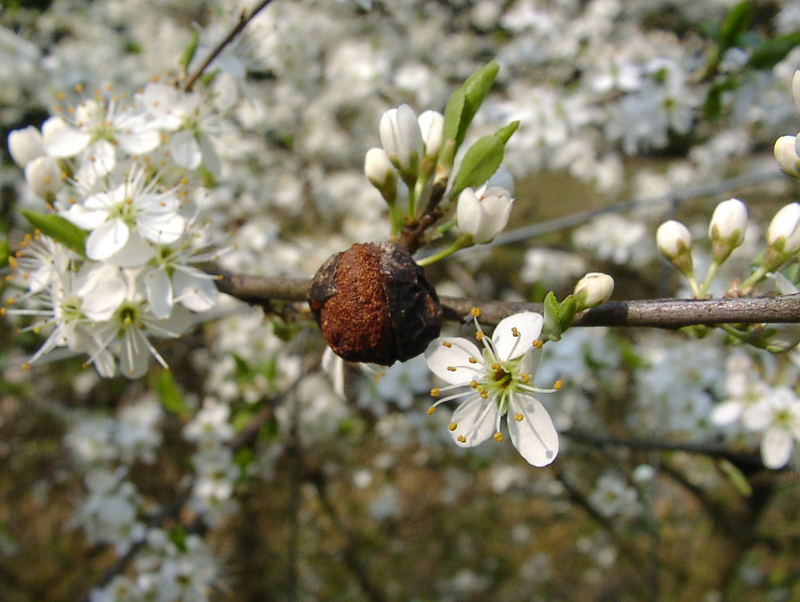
(373, 304)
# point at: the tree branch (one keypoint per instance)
(659, 313)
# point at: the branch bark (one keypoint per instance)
(658, 313)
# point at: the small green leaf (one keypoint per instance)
(243, 458)
(735, 24)
(452, 115)
(189, 52)
(736, 477)
(59, 229)
(170, 395)
(177, 535)
(476, 89)
(3, 251)
(551, 329)
(713, 104)
(504, 133)
(566, 312)
(771, 52)
(479, 163)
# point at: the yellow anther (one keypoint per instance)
(461, 439)
(447, 344)
(2, 311)
(537, 343)
(498, 436)
(476, 312)
(479, 335)
(435, 392)
(515, 331)
(484, 395)
(79, 88)
(452, 426)
(10, 301)
(518, 417)
(558, 384)
(473, 384)
(26, 366)
(472, 360)
(495, 366)
(451, 368)
(525, 378)
(431, 410)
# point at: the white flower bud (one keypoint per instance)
(431, 124)
(675, 242)
(784, 226)
(43, 176)
(783, 236)
(785, 151)
(593, 289)
(796, 89)
(727, 228)
(483, 214)
(25, 145)
(381, 173)
(401, 138)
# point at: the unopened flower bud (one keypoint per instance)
(796, 89)
(431, 124)
(43, 176)
(593, 289)
(783, 236)
(373, 304)
(401, 138)
(25, 145)
(727, 228)
(785, 151)
(675, 243)
(483, 214)
(381, 174)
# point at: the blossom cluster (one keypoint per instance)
(120, 181)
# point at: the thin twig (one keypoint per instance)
(659, 313)
(240, 25)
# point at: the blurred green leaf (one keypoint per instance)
(59, 229)
(189, 52)
(771, 52)
(170, 395)
(735, 24)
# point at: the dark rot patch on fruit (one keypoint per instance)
(373, 304)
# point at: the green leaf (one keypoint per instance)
(551, 329)
(177, 535)
(482, 159)
(736, 477)
(461, 108)
(771, 52)
(59, 229)
(476, 89)
(566, 312)
(712, 107)
(735, 24)
(170, 395)
(189, 52)
(4, 253)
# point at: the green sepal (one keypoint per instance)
(170, 396)
(482, 159)
(59, 229)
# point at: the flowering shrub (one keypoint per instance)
(174, 426)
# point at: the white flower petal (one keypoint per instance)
(135, 253)
(528, 325)
(162, 228)
(159, 292)
(61, 139)
(107, 239)
(185, 150)
(727, 412)
(534, 436)
(440, 358)
(469, 214)
(134, 355)
(475, 421)
(102, 157)
(776, 448)
(85, 218)
(195, 292)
